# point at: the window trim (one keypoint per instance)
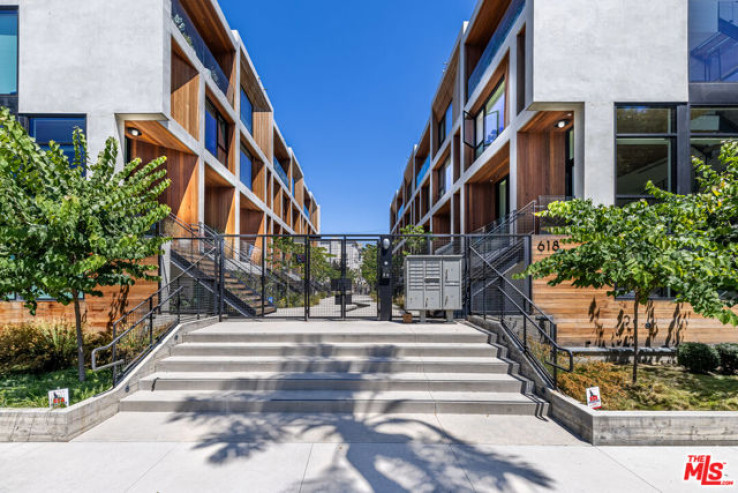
(673, 137)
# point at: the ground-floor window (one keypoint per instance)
(57, 128)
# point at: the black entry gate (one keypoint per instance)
(335, 277)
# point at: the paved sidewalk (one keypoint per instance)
(162, 452)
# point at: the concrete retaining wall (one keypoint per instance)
(61, 425)
(645, 427)
(624, 427)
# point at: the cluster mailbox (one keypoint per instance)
(433, 283)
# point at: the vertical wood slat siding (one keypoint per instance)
(588, 317)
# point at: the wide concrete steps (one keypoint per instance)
(226, 334)
(334, 364)
(472, 382)
(305, 367)
(335, 401)
(334, 349)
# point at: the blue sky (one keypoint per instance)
(351, 83)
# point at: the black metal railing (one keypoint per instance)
(140, 329)
(496, 296)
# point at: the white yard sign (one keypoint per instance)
(594, 401)
(59, 398)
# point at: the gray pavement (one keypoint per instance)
(272, 452)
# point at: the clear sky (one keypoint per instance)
(351, 82)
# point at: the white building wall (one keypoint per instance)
(604, 52)
(93, 57)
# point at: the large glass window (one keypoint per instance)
(490, 121)
(713, 40)
(710, 127)
(645, 150)
(247, 111)
(444, 125)
(59, 129)
(8, 51)
(246, 168)
(216, 133)
(445, 178)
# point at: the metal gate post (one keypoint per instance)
(307, 277)
(221, 277)
(263, 274)
(467, 276)
(343, 278)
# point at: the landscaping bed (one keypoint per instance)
(29, 390)
(659, 388)
(38, 357)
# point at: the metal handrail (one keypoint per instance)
(117, 339)
(523, 295)
(555, 347)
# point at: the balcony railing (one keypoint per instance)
(506, 24)
(423, 171)
(193, 38)
(281, 173)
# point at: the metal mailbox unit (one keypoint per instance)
(433, 283)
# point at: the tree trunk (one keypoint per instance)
(80, 338)
(635, 337)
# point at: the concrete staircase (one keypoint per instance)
(362, 367)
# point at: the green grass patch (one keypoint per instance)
(659, 388)
(28, 390)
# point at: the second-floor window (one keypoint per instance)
(246, 168)
(490, 121)
(8, 51)
(247, 111)
(444, 125)
(216, 133)
(713, 47)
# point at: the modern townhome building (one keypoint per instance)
(548, 100)
(164, 77)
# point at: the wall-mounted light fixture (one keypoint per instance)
(562, 123)
(134, 132)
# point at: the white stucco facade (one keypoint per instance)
(602, 53)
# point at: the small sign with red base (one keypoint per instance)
(58, 398)
(594, 401)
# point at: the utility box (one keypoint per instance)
(433, 283)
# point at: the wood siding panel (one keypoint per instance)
(588, 317)
(182, 169)
(185, 95)
(99, 313)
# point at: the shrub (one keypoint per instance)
(42, 347)
(697, 357)
(728, 358)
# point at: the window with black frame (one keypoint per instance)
(444, 125)
(59, 129)
(709, 128)
(490, 121)
(216, 133)
(645, 150)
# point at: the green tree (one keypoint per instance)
(66, 229)
(682, 242)
(416, 240)
(369, 265)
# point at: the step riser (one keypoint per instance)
(224, 406)
(377, 352)
(376, 339)
(333, 367)
(379, 386)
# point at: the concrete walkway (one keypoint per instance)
(180, 452)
